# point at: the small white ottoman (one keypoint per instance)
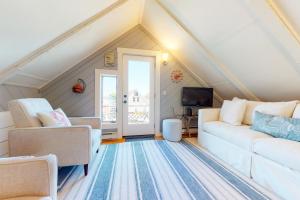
(172, 129)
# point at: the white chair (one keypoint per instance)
(30, 178)
(74, 145)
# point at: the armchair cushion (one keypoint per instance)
(55, 118)
(72, 145)
(28, 176)
(24, 111)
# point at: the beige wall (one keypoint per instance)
(9, 92)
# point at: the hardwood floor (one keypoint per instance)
(160, 137)
(113, 141)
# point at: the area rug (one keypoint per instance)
(165, 170)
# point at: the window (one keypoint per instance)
(108, 98)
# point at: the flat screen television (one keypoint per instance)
(197, 96)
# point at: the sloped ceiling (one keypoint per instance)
(231, 44)
(57, 35)
(244, 48)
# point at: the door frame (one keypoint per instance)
(131, 129)
(149, 53)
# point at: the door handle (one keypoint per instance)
(125, 98)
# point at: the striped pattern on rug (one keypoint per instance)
(165, 170)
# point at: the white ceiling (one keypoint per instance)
(54, 21)
(239, 47)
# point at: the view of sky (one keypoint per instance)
(138, 79)
(109, 85)
(139, 76)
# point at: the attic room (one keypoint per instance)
(149, 99)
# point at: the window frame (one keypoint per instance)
(99, 73)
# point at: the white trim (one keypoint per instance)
(141, 11)
(157, 55)
(283, 19)
(21, 85)
(23, 73)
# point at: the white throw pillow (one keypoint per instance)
(296, 113)
(232, 112)
(283, 109)
(250, 106)
(55, 118)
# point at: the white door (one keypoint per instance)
(138, 95)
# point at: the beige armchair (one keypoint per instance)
(74, 145)
(28, 178)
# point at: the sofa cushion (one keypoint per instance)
(24, 111)
(232, 112)
(241, 136)
(284, 109)
(296, 113)
(250, 106)
(282, 151)
(277, 126)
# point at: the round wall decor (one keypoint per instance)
(176, 76)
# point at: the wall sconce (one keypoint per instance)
(165, 57)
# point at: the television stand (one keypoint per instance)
(187, 121)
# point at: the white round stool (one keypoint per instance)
(172, 129)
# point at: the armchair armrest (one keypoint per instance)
(72, 145)
(28, 176)
(95, 122)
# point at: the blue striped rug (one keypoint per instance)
(152, 170)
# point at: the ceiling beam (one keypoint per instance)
(141, 11)
(216, 62)
(283, 19)
(11, 69)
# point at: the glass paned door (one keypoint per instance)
(138, 95)
(109, 98)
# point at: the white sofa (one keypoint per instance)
(271, 162)
(30, 178)
(74, 145)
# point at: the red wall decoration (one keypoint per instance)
(176, 76)
(79, 87)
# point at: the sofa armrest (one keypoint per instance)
(206, 115)
(28, 176)
(72, 145)
(95, 122)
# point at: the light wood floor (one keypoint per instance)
(121, 140)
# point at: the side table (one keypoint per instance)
(187, 121)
